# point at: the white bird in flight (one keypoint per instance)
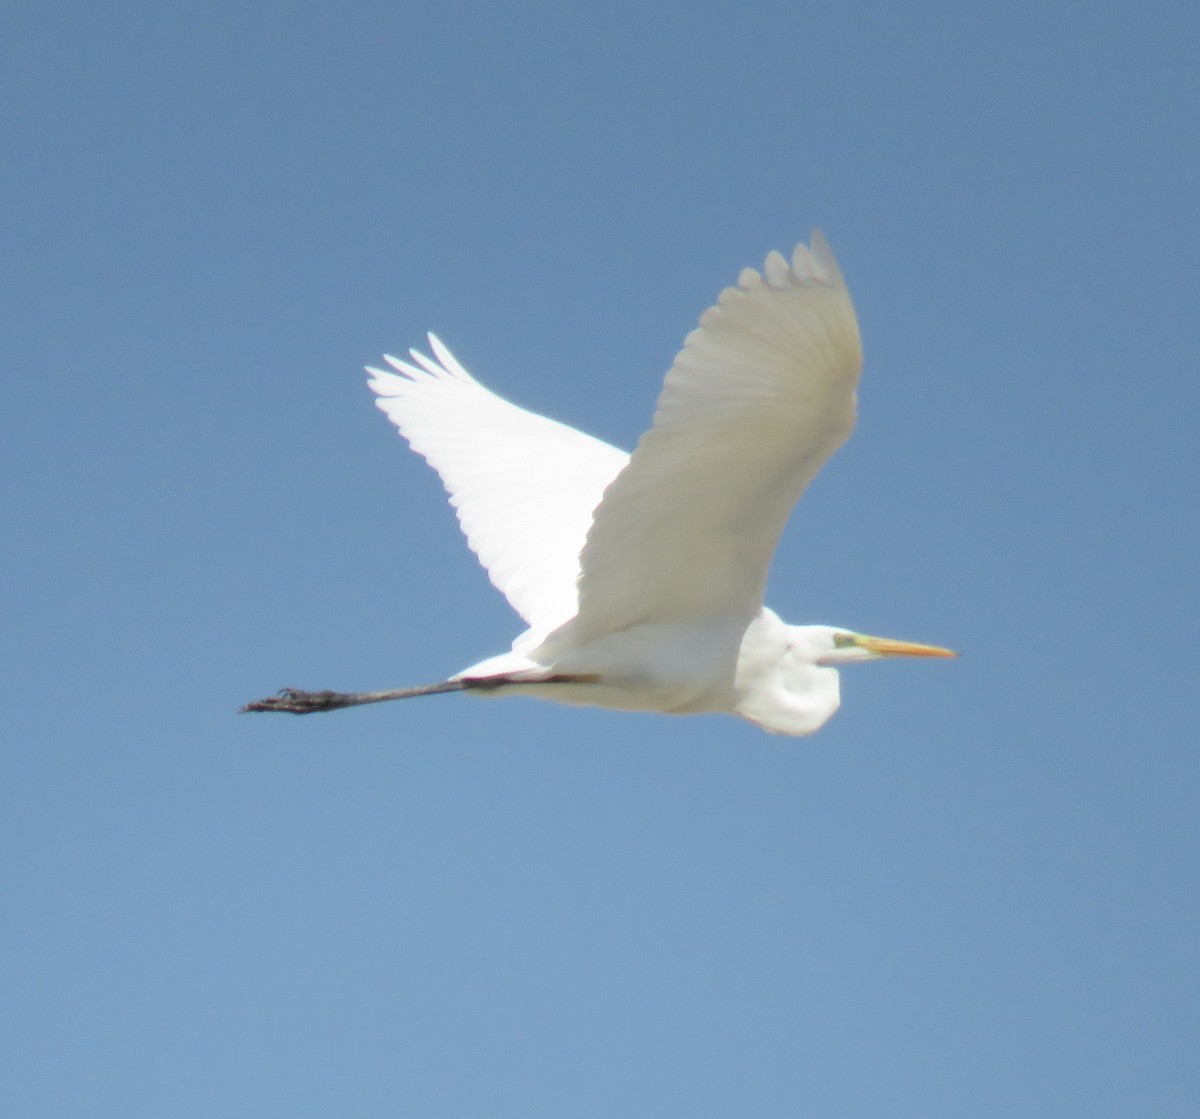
(641, 577)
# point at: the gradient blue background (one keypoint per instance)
(974, 893)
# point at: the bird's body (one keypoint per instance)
(641, 577)
(680, 670)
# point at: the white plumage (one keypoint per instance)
(641, 577)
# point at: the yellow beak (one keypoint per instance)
(886, 647)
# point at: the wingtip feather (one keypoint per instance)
(809, 264)
(819, 252)
(775, 269)
(450, 363)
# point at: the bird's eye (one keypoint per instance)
(843, 640)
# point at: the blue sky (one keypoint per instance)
(973, 893)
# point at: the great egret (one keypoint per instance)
(641, 577)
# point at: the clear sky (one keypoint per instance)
(974, 893)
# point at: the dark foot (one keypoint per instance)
(296, 702)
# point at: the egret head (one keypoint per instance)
(832, 647)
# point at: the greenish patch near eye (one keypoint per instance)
(844, 640)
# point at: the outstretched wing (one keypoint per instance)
(762, 393)
(524, 486)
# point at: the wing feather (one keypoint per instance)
(762, 393)
(524, 486)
